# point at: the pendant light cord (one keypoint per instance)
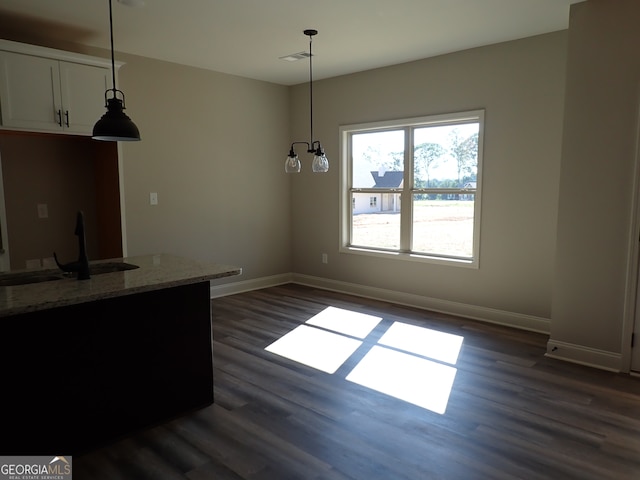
(113, 61)
(311, 90)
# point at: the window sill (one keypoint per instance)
(411, 257)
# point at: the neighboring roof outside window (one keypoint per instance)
(387, 179)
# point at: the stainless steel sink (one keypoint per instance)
(26, 278)
(110, 267)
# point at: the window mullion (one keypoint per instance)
(406, 216)
(347, 208)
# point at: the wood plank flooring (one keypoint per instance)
(511, 414)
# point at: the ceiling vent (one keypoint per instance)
(295, 56)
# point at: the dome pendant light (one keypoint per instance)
(320, 162)
(115, 125)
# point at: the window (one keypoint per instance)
(425, 176)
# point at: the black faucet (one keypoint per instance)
(81, 266)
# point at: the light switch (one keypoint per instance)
(153, 198)
(43, 210)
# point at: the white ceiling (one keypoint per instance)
(247, 37)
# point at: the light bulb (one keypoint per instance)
(320, 163)
(292, 164)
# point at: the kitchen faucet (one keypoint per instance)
(81, 266)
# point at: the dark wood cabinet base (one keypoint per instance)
(78, 377)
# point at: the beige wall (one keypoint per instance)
(596, 182)
(520, 85)
(213, 148)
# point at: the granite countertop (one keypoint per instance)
(155, 272)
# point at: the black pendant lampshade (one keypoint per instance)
(115, 125)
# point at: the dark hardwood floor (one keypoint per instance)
(512, 413)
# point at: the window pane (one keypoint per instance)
(444, 226)
(376, 223)
(378, 159)
(445, 156)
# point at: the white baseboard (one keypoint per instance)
(590, 357)
(490, 315)
(511, 319)
(248, 285)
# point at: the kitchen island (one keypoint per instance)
(85, 362)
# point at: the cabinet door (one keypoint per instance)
(83, 88)
(30, 92)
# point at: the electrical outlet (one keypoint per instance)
(325, 258)
(49, 262)
(43, 210)
(33, 263)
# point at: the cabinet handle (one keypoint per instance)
(59, 113)
(66, 116)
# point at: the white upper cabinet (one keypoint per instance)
(47, 90)
(82, 88)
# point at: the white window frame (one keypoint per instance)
(346, 210)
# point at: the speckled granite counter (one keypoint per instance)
(155, 272)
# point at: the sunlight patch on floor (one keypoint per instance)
(413, 379)
(354, 324)
(412, 363)
(315, 348)
(441, 346)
